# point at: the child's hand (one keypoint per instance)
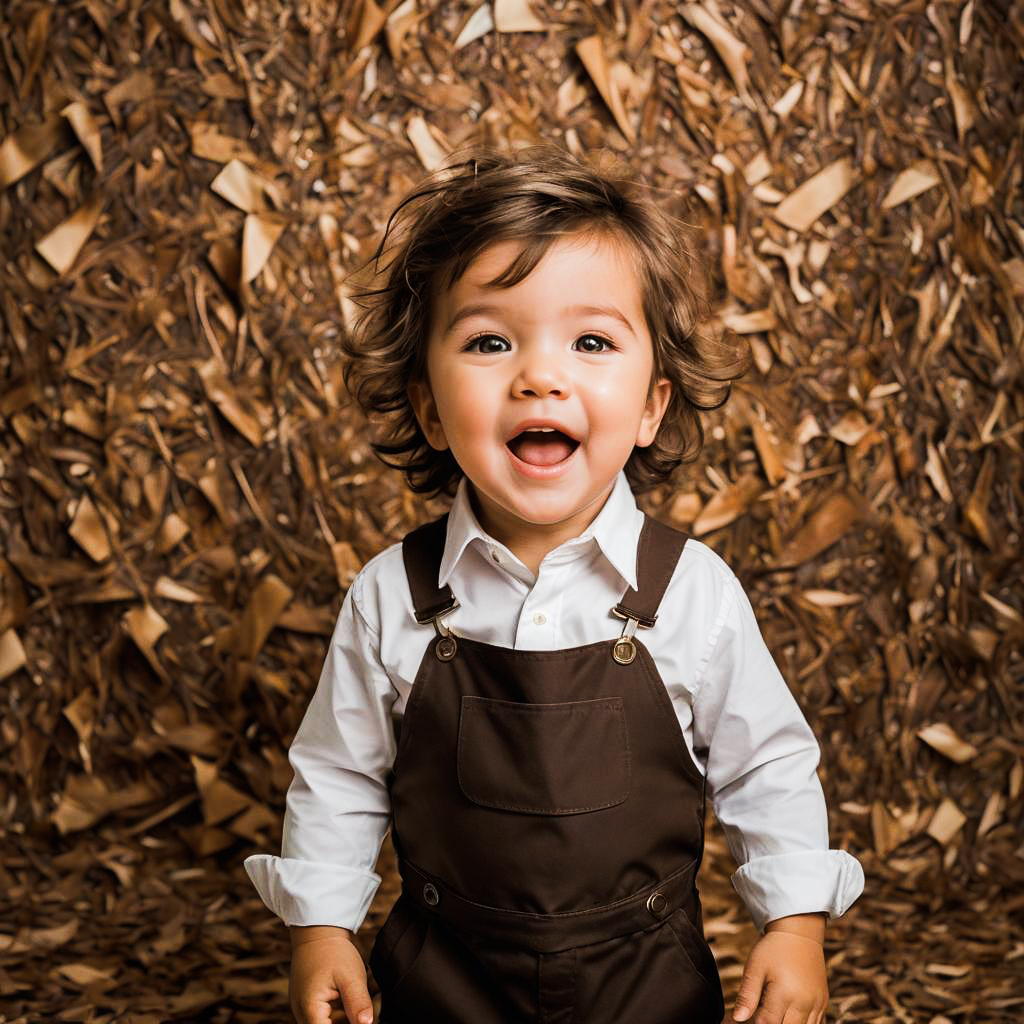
(784, 979)
(327, 968)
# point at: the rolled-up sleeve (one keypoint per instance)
(761, 774)
(337, 806)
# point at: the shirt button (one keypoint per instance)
(496, 557)
(539, 619)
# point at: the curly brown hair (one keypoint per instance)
(535, 196)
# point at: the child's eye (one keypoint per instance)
(487, 343)
(593, 343)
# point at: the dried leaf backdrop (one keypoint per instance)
(185, 492)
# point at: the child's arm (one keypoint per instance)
(327, 969)
(761, 772)
(336, 817)
(785, 973)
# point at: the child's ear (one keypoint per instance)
(657, 403)
(421, 398)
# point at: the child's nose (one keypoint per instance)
(540, 376)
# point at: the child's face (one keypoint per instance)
(541, 390)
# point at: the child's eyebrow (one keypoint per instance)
(609, 311)
(484, 308)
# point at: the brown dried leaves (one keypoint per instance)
(185, 491)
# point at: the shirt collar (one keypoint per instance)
(615, 530)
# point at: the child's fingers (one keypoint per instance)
(312, 1011)
(749, 994)
(798, 1014)
(355, 998)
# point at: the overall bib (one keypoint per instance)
(548, 822)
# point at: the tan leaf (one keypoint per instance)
(727, 505)
(767, 450)
(39, 938)
(145, 626)
(949, 970)
(993, 813)
(209, 143)
(254, 822)
(304, 619)
(480, 22)
(240, 186)
(431, 152)
(262, 611)
(400, 22)
(220, 391)
(12, 654)
(963, 109)
(172, 531)
(851, 428)
(198, 738)
(827, 524)
(818, 194)
(1012, 617)
(831, 598)
(84, 975)
(917, 178)
(136, 87)
(173, 591)
(734, 52)
(754, 322)
(516, 16)
(81, 713)
(259, 237)
(591, 52)
(27, 148)
(976, 511)
(888, 830)
(88, 530)
(946, 822)
(788, 100)
(757, 168)
(942, 738)
(371, 20)
(571, 93)
(220, 799)
(61, 246)
(935, 471)
(88, 131)
(86, 800)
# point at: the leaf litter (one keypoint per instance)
(185, 492)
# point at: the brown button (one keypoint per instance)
(657, 903)
(430, 895)
(445, 648)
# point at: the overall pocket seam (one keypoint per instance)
(613, 704)
(675, 927)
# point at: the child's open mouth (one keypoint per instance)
(542, 446)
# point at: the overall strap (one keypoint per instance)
(657, 553)
(422, 551)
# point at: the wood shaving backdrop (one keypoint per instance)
(186, 492)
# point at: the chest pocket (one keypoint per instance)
(566, 758)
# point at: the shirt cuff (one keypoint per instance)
(304, 892)
(804, 882)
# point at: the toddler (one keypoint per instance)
(536, 691)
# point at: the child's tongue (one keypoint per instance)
(542, 448)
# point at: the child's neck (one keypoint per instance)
(530, 542)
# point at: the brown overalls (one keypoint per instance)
(549, 822)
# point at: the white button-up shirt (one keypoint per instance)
(740, 722)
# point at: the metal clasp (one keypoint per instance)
(624, 650)
(446, 646)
